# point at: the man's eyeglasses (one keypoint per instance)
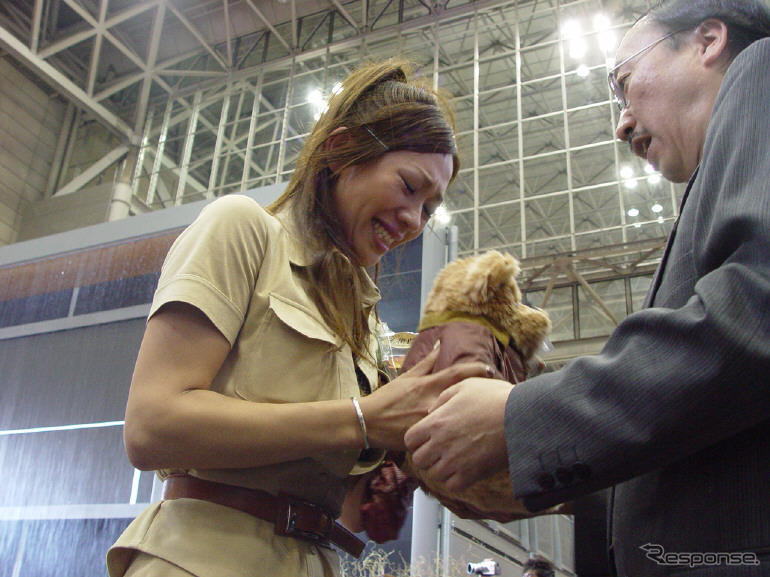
(617, 89)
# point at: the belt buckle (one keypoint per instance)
(286, 524)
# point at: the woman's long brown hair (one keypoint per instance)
(382, 109)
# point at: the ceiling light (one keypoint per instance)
(442, 217)
(571, 28)
(608, 41)
(577, 48)
(315, 97)
(648, 168)
(632, 212)
(601, 22)
(626, 171)
(660, 219)
(654, 179)
(582, 71)
(657, 207)
(630, 183)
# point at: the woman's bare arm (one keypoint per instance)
(173, 419)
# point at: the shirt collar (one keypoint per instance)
(300, 256)
(294, 243)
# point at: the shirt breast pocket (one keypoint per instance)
(295, 357)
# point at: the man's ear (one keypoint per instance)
(337, 138)
(712, 41)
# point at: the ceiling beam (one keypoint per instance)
(347, 43)
(269, 25)
(63, 84)
(92, 171)
(198, 36)
(345, 15)
(77, 37)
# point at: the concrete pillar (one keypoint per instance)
(426, 515)
(120, 204)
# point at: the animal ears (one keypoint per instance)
(489, 272)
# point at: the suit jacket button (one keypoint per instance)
(582, 471)
(546, 481)
(564, 476)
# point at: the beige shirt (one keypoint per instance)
(246, 270)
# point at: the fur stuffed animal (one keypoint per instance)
(475, 310)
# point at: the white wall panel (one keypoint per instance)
(63, 213)
(29, 128)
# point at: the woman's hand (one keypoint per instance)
(395, 407)
(175, 420)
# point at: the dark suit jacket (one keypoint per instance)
(675, 410)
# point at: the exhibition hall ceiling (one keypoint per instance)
(210, 97)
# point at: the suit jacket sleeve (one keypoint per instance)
(691, 370)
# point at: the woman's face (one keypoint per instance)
(387, 202)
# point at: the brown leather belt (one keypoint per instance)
(292, 517)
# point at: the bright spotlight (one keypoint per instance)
(571, 28)
(577, 48)
(601, 22)
(582, 71)
(608, 41)
(315, 97)
(657, 207)
(442, 217)
(626, 171)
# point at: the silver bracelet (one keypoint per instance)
(361, 421)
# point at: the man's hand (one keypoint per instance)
(462, 439)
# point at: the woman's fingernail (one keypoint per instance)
(436, 344)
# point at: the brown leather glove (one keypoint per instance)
(387, 496)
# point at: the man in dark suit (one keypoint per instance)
(674, 414)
